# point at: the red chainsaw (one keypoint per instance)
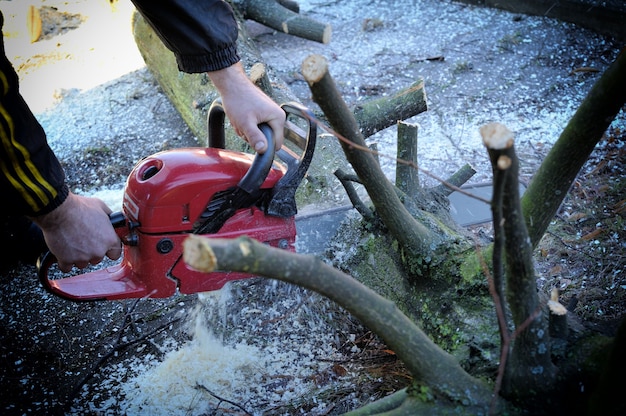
(209, 191)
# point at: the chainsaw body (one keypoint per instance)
(209, 191)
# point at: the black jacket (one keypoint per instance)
(201, 33)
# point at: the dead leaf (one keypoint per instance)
(576, 216)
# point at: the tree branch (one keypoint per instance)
(413, 236)
(423, 358)
(376, 115)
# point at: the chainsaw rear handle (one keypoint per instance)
(262, 163)
(47, 259)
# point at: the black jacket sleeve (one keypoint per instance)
(201, 33)
(32, 181)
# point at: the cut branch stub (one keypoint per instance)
(407, 177)
(496, 136)
(558, 316)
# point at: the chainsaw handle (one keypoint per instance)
(215, 125)
(262, 163)
(47, 259)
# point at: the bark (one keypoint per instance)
(424, 359)
(558, 171)
(413, 236)
(529, 370)
(282, 16)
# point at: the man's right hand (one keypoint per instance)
(79, 232)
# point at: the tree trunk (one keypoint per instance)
(558, 171)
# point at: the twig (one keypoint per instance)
(346, 180)
(128, 321)
(221, 399)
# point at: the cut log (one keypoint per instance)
(376, 115)
(33, 23)
(258, 75)
(280, 15)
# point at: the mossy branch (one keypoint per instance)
(378, 114)
(559, 169)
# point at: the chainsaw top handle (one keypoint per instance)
(258, 171)
(300, 130)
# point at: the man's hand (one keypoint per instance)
(79, 232)
(247, 106)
